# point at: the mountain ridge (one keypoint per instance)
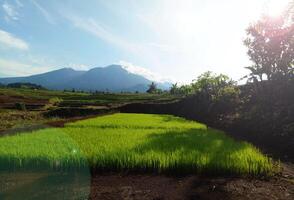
(112, 78)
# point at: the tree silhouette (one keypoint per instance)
(152, 88)
(270, 44)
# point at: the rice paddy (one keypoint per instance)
(133, 142)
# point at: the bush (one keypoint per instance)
(55, 101)
(20, 106)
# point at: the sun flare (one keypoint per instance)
(275, 8)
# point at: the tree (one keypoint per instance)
(152, 88)
(185, 90)
(174, 88)
(215, 95)
(270, 44)
(211, 83)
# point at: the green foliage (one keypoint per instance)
(55, 100)
(209, 82)
(20, 106)
(214, 87)
(182, 90)
(157, 143)
(174, 89)
(186, 90)
(270, 46)
(267, 103)
(216, 95)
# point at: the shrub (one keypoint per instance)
(55, 101)
(20, 106)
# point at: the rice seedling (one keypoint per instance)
(136, 142)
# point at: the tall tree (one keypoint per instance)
(152, 88)
(270, 43)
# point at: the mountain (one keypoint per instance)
(113, 78)
(51, 80)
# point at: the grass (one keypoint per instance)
(136, 142)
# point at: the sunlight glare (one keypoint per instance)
(275, 8)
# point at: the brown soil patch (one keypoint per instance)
(9, 101)
(13, 99)
(159, 187)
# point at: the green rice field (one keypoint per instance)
(133, 142)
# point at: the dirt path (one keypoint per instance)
(159, 187)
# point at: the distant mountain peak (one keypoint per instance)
(114, 66)
(67, 69)
(114, 78)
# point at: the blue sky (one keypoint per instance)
(162, 39)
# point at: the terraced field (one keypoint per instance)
(133, 142)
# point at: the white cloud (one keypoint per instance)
(15, 68)
(44, 12)
(10, 11)
(143, 72)
(11, 41)
(82, 67)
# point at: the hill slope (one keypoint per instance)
(51, 80)
(113, 78)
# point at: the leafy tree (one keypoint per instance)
(270, 43)
(185, 90)
(152, 88)
(211, 83)
(182, 90)
(215, 95)
(174, 88)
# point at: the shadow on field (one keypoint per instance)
(211, 150)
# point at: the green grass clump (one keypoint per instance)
(139, 142)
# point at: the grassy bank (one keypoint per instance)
(140, 142)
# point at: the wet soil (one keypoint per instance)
(160, 187)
